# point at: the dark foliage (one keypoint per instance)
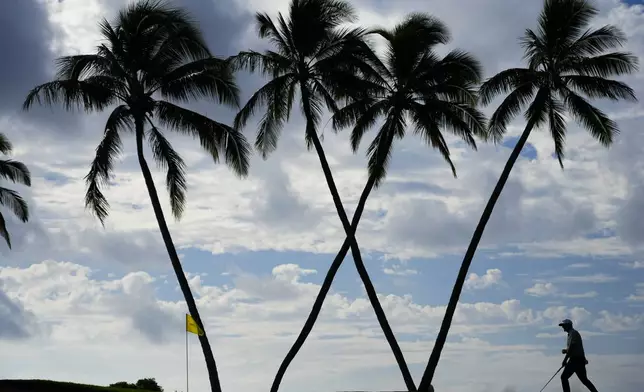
(17, 173)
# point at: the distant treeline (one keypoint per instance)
(147, 384)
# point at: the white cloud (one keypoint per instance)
(639, 293)
(595, 278)
(617, 322)
(541, 289)
(286, 206)
(579, 265)
(549, 289)
(248, 323)
(587, 294)
(560, 335)
(578, 315)
(397, 270)
(491, 278)
(633, 265)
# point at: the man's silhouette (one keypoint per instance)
(575, 360)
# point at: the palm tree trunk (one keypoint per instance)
(467, 261)
(174, 259)
(326, 286)
(362, 271)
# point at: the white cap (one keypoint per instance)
(565, 322)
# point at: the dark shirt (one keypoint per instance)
(575, 345)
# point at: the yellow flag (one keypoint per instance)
(191, 326)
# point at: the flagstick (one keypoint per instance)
(187, 385)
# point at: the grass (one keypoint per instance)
(55, 386)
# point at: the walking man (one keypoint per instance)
(575, 360)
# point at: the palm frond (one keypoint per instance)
(428, 129)
(595, 42)
(347, 64)
(287, 29)
(339, 40)
(329, 99)
(121, 119)
(597, 87)
(311, 21)
(82, 66)
(290, 98)
(168, 159)
(605, 65)
(266, 28)
(14, 171)
(174, 51)
(563, 21)
(315, 106)
(277, 108)
(557, 126)
(5, 144)
(214, 137)
(366, 118)
(207, 78)
(278, 96)
(594, 120)
(4, 233)
(336, 12)
(509, 108)
(457, 68)
(537, 112)
(347, 85)
(429, 30)
(411, 42)
(83, 94)
(380, 148)
(350, 113)
(112, 37)
(103, 164)
(535, 49)
(504, 82)
(14, 202)
(117, 61)
(462, 120)
(269, 63)
(183, 42)
(148, 24)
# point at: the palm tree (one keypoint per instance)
(411, 84)
(321, 61)
(15, 172)
(153, 55)
(566, 61)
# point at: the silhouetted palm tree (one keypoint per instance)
(416, 85)
(153, 54)
(567, 60)
(411, 85)
(17, 173)
(318, 59)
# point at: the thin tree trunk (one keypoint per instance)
(176, 263)
(362, 271)
(467, 261)
(326, 286)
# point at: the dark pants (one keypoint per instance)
(576, 366)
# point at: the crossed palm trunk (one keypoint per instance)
(350, 242)
(174, 259)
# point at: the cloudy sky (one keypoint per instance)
(83, 303)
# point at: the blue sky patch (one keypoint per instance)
(528, 150)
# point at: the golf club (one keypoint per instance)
(553, 376)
